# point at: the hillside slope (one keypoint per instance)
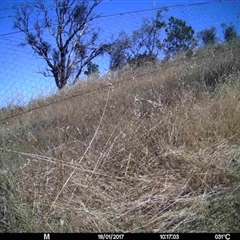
(157, 150)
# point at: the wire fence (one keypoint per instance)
(114, 130)
(21, 70)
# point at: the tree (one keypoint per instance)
(92, 68)
(229, 32)
(118, 51)
(179, 37)
(145, 42)
(142, 58)
(208, 36)
(62, 37)
(142, 45)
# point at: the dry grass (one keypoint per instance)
(146, 155)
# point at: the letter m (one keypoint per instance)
(46, 236)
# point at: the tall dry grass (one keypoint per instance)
(146, 154)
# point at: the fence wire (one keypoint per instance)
(21, 68)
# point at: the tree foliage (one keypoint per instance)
(229, 32)
(142, 45)
(208, 36)
(142, 58)
(118, 51)
(179, 37)
(92, 68)
(146, 40)
(62, 37)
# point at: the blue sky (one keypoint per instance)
(19, 79)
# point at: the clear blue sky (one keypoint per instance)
(18, 66)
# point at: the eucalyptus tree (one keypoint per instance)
(143, 44)
(208, 36)
(61, 34)
(229, 32)
(179, 37)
